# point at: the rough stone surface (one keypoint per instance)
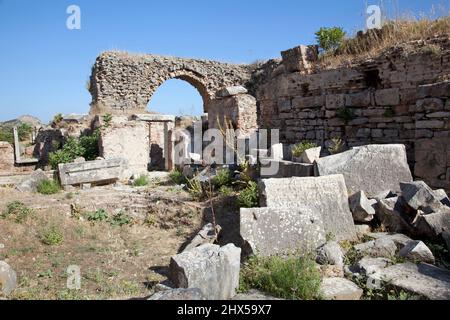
(340, 289)
(310, 155)
(380, 248)
(8, 278)
(288, 169)
(361, 207)
(399, 239)
(367, 265)
(212, 269)
(330, 253)
(124, 83)
(98, 171)
(391, 213)
(207, 235)
(271, 231)
(446, 236)
(423, 279)
(420, 196)
(130, 141)
(442, 196)
(362, 229)
(327, 196)
(231, 91)
(434, 224)
(30, 183)
(6, 157)
(372, 168)
(254, 295)
(179, 294)
(417, 251)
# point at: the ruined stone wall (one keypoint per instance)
(122, 83)
(6, 157)
(403, 96)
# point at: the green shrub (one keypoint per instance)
(301, 147)
(107, 118)
(225, 191)
(99, 215)
(222, 178)
(248, 198)
(85, 146)
(16, 210)
(293, 278)
(177, 177)
(57, 118)
(48, 187)
(330, 38)
(141, 181)
(195, 188)
(389, 113)
(52, 236)
(336, 146)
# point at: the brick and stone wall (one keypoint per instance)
(122, 83)
(403, 96)
(6, 157)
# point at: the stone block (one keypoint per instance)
(300, 58)
(387, 97)
(335, 101)
(6, 157)
(231, 91)
(340, 289)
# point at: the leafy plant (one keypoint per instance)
(336, 146)
(177, 177)
(293, 278)
(222, 178)
(48, 187)
(248, 198)
(52, 236)
(330, 38)
(57, 118)
(345, 114)
(195, 188)
(107, 118)
(225, 191)
(18, 210)
(141, 181)
(120, 219)
(99, 215)
(301, 147)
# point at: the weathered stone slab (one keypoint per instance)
(417, 251)
(287, 169)
(419, 195)
(311, 155)
(6, 157)
(179, 294)
(372, 168)
(442, 196)
(330, 253)
(8, 278)
(98, 171)
(30, 183)
(154, 117)
(434, 224)
(271, 231)
(368, 265)
(361, 207)
(212, 269)
(327, 196)
(340, 289)
(391, 213)
(423, 279)
(231, 91)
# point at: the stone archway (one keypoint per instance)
(122, 83)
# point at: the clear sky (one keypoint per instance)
(44, 66)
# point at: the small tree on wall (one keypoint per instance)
(330, 38)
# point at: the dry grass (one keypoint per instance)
(372, 43)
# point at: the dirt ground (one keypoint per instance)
(116, 262)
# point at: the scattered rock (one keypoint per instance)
(8, 278)
(211, 268)
(271, 231)
(419, 196)
(399, 239)
(422, 279)
(442, 196)
(433, 225)
(386, 194)
(311, 155)
(340, 289)
(372, 168)
(326, 196)
(380, 248)
(30, 183)
(362, 230)
(179, 294)
(330, 253)
(367, 265)
(207, 235)
(392, 215)
(417, 251)
(361, 207)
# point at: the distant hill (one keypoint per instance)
(32, 121)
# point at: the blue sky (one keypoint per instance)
(44, 66)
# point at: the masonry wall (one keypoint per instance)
(403, 96)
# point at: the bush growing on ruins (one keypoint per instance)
(330, 38)
(195, 188)
(141, 181)
(345, 114)
(48, 187)
(57, 118)
(107, 118)
(248, 198)
(301, 147)
(225, 191)
(16, 210)
(222, 178)
(52, 236)
(336, 146)
(293, 278)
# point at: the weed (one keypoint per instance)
(225, 191)
(177, 177)
(345, 114)
(48, 187)
(141, 181)
(99, 215)
(336, 146)
(301, 147)
(248, 198)
(120, 219)
(107, 118)
(52, 236)
(195, 188)
(222, 178)
(18, 210)
(288, 278)
(330, 38)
